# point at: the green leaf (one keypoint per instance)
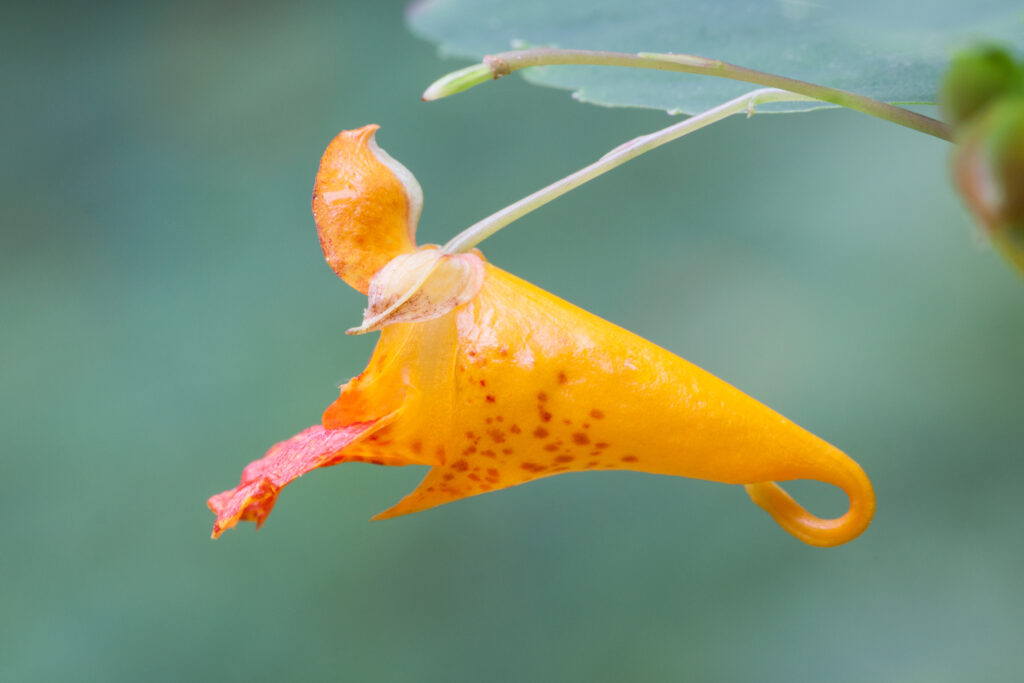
(891, 50)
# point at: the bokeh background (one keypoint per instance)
(166, 315)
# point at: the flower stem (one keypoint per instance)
(478, 232)
(507, 62)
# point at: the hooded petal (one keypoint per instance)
(518, 384)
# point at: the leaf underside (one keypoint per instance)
(891, 50)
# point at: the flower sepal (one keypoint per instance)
(420, 286)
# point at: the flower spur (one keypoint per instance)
(493, 382)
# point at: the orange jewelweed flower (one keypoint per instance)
(492, 382)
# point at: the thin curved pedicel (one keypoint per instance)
(501, 383)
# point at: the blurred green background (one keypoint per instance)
(166, 315)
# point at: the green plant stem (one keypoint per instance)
(478, 232)
(507, 62)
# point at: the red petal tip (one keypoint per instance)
(262, 480)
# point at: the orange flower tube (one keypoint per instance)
(493, 382)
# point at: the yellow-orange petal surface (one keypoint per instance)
(366, 206)
(518, 384)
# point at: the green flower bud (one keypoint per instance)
(988, 168)
(977, 78)
(457, 81)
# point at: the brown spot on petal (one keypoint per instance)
(580, 438)
(460, 465)
(515, 429)
(597, 414)
(490, 399)
(497, 435)
(562, 379)
(564, 458)
(540, 432)
(629, 458)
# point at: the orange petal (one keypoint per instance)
(254, 497)
(367, 404)
(366, 206)
(518, 384)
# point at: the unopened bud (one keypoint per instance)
(976, 79)
(458, 81)
(988, 167)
